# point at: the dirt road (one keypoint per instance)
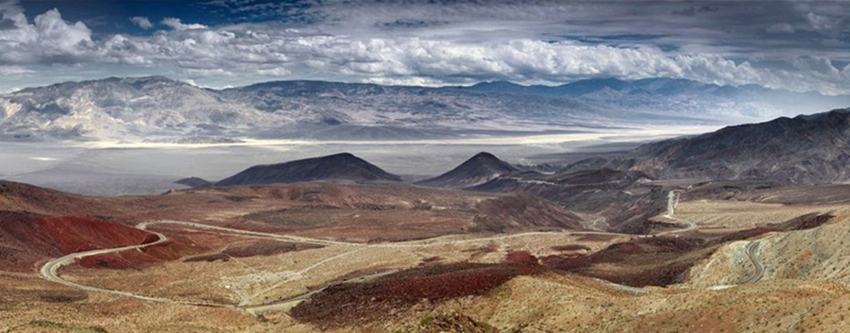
(758, 271)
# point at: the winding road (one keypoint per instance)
(50, 269)
(758, 272)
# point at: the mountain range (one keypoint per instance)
(159, 109)
(807, 149)
(812, 149)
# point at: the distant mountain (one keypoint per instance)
(801, 150)
(122, 109)
(163, 110)
(477, 170)
(194, 182)
(503, 87)
(573, 89)
(343, 166)
(678, 97)
(369, 111)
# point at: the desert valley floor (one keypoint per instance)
(393, 257)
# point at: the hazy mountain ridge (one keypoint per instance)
(160, 109)
(408, 108)
(681, 96)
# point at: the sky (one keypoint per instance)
(793, 45)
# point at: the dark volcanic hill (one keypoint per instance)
(808, 149)
(342, 166)
(481, 168)
(194, 182)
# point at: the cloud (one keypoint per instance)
(14, 70)
(142, 22)
(10, 8)
(821, 23)
(781, 28)
(207, 72)
(417, 43)
(809, 73)
(816, 65)
(11, 15)
(49, 39)
(521, 60)
(176, 24)
(278, 72)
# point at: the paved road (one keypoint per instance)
(144, 226)
(758, 272)
(408, 244)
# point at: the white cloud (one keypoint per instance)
(142, 22)
(815, 65)
(48, 39)
(820, 22)
(278, 72)
(409, 81)
(176, 24)
(207, 72)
